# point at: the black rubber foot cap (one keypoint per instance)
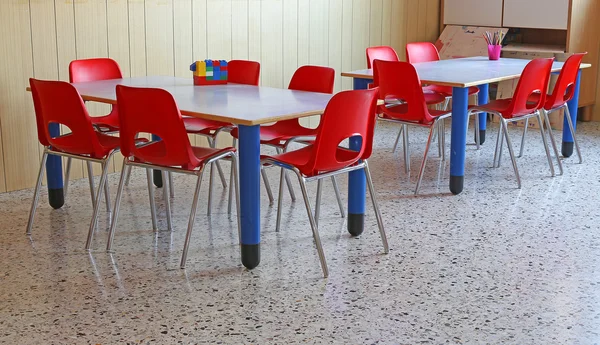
(250, 255)
(567, 149)
(56, 197)
(356, 224)
(456, 184)
(481, 136)
(158, 182)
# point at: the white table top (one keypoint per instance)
(234, 103)
(465, 72)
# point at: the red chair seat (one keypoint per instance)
(107, 123)
(158, 149)
(400, 113)
(276, 133)
(502, 106)
(202, 126)
(300, 158)
(446, 91)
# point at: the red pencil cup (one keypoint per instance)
(494, 51)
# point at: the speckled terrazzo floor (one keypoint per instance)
(494, 265)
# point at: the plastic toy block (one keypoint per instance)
(209, 72)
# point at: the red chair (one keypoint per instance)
(426, 52)
(86, 70)
(562, 93)
(283, 133)
(533, 81)
(386, 53)
(58, 102)
(238, 72)
(349, 113)
(414, 111)
(145, 110)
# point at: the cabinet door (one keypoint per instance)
(539, 14)
(473, 12)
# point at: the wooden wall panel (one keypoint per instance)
(159, 37)
(290, 39)
(19, 146)
(375, 25)
(117, 22)
(219, 29)
(239, 29)
(347, 21)
(271, 39)
(162, 37)
(335, 40)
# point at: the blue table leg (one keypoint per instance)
(357, 183)
(249, 160)
(54, 173)
(157, 174)
(567, 144)
(458, 145)
(483, 98)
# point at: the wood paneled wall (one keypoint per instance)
(162, 37)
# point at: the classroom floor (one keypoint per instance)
(494, 264)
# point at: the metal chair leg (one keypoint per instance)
(234, 144)
(572, 129)
(424, 162)
(287, 179)
(397, 139)
(171, 185)
(113, 225)
(67, 175)
(477, 138)
(188, 234)
(167, 201)
(318, 201)
(338, 197)
(236, 185)
(265, 178)
(94, 221)
(314, 227)
(552, 141)
(149, 179)
(523, 137)
(499, 146)
(280, 200)
(442, 129)
(211, 177)
(539, 118)
(107, 198)
(511, 152)
(376, 208)
(36, 194)
(438, 129)
(406, 150)
(128, 177)
(91, 182)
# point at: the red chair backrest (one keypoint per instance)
(243, 72)
(383, 53)
(81, 71)
(313, 79)
(58, 102)
(407, 89)
(534, 80)
(148, 110)
(348, 114)
(421, 52)
(565, 84)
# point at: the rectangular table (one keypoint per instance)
(243, 105)
(461, 74)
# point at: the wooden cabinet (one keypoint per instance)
(569, 26)
(473, 12)
(539, 14)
